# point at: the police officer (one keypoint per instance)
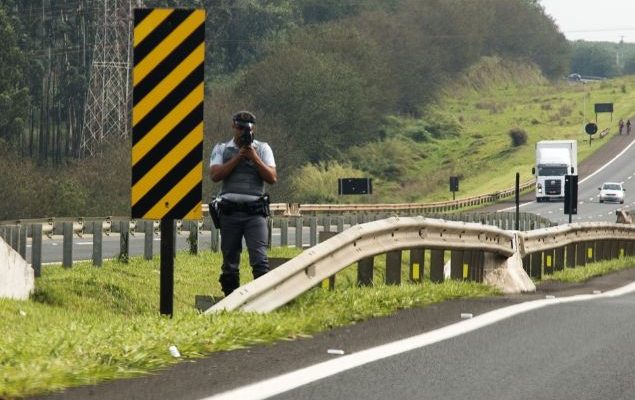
(243, 165)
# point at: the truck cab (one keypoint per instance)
(554, 160)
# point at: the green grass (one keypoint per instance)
(86, 324)
(581, 274)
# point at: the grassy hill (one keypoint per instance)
(473, 120)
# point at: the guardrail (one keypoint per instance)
(485, 254)
(18, 234)
(293, 209)
(441, 248)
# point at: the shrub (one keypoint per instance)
(518, 136)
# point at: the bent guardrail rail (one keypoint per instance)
(305, 271)
(505, 258)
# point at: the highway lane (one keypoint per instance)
(52, 248)
(580, 347)
(619, 169)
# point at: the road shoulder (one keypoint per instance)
(219, 372)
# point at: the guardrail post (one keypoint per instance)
(558, 263)
(416, 264)
(326, 223)
(365, 268)
(479, 266)
(580, 259)
(36, 249)
(22, 250)
(124, 236)
(284, 232)
(590, 251)
(469, 264)
(340, 223)
(456, 264)
(313, 230)
(602, 250)
(97, 243)
(536, 265)
(192, 237)
(616, 245)
(148, 239)
(436, 265)
(15, 238)
(330, 282)
(570, 255)
(548, 261)
(393, 267)
(67, 245)
(299, 228)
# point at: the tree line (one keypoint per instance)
(321, 75)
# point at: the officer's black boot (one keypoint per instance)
(229, 283)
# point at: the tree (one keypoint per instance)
(14, 96)
(320, 101)
(592, 59)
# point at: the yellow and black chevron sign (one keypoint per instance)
(167, 113)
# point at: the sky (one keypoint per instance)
(594, 20)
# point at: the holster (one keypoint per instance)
(214, 212)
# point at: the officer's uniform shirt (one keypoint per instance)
(262, 149)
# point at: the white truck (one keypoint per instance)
(554, 160)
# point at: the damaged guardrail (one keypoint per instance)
(502, 258)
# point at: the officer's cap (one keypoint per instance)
(244, 116)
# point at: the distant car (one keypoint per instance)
(575, 77)
(612, 191)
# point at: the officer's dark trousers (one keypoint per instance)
(233, 227)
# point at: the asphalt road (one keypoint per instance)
(571, 351)
(577, 350)
(620, 169)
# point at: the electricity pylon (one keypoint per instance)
(107, 106)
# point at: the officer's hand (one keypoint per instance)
(248, 152)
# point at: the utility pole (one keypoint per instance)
(108, 100)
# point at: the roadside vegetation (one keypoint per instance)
(582, 274)
(84, 325)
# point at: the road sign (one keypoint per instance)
(355, 186)
(591, 128)
(167, 114)
(603, 107)
(454, 184)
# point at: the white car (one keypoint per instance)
(612, 191)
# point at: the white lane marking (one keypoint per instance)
(609, 162)
(84, 243)
(304, 376)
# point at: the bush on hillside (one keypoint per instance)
(518, 136)
(317, 183)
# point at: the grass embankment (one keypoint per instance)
(86, 324)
